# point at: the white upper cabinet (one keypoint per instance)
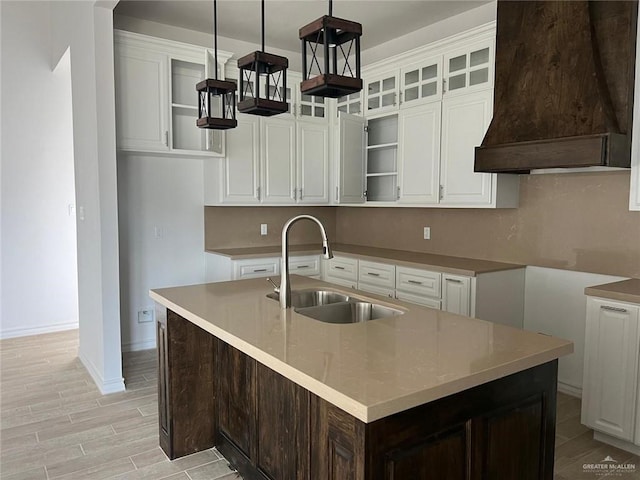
(277, 145)
(465, 120)
(351, 159)
(313, 162)
(469, 68)
(381, 92)
(350, 104)
(419, 154)
(421, 82)
(241, 166)
(141, 99)
(156, 99)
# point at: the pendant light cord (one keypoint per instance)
(215, 38)
(263, 26)
(331, 8)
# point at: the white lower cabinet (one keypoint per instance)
(610, 387)
(378, 278)
(341, 271)
(220, 268)
(456, 294)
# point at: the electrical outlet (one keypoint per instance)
(427, 233)
(145, 316)
(263, 229)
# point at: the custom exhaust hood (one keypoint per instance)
(563, 86)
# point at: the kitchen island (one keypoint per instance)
(425, 394)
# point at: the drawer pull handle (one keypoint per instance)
(613, 309)
(338, 267)
(415, 282)
(453, 280)
(258, 270)
(373, 274)
(302, 266)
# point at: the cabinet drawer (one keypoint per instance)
(387, 292)
(418, 299)
(378, 274)
(418, 282)
(344, 268)
(255, 268)
(309, 265)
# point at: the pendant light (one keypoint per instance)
(216, 98)
(335, 40)
(263, 82)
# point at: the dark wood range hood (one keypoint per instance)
(563, 87)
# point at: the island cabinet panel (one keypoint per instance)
(186, 391)
(283, 426)
(337, 443)
(236, 374)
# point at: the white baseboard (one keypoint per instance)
(570, 390)
(106, 386)
(25, 332)
(137, 346)
(616, 442)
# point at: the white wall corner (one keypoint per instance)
(106, 386)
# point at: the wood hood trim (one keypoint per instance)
(564, 86)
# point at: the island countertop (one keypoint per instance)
(372, 369)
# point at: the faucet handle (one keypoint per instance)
(276, 288)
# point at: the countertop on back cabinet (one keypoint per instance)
(372, 369)
(624, 291)
(441, 263)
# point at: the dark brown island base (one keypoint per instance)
(270, 427)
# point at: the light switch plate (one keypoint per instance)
(263, 229)
(427, 233)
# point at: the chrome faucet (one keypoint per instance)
(285, 286)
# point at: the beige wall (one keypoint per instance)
(572, 221)
(233, 227)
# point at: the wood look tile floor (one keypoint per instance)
(55, 424)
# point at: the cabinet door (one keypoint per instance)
(611, 367)
(469, 68)
(236, 397)
(456, 294)
(141, 99)
(352, 158)
(381, 92)
(350, 104)
(465, 120)
(421, 82)
(241, 166)
(282, 426)
(419, 152)
(278, 161)
(313, 162)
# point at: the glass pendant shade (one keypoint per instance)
(263, 84)
(330, 42)
(216, 104)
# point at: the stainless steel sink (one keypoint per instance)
(312, 298)
(348, 312)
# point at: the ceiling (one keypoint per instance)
(382, 20)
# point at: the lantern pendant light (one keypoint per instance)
(263, 82)
(334, 39)
(216, 98)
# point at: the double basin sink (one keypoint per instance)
(333, 307)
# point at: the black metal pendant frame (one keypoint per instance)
(220, 116)
(263, 81)
(216, 98)
(263, 84)
(334, 38)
